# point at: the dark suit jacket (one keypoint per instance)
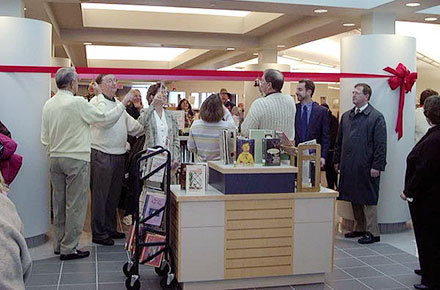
(319, 127)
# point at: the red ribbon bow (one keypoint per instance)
(404, 79)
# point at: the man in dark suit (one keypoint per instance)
(312, 120)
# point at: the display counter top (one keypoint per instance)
(213, 194)
(257, 168)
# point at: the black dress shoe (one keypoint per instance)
(418, 272)
(368, 239)
(78, 255)
(104, 242)
(56, 252)
(354, 234)
(421, 287)
(117, 235)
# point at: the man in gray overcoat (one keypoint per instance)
(360, 155)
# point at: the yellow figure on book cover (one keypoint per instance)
(245, 157)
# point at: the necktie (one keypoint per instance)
(303, 124)
(358, 111)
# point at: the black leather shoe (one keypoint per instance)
(354, 234)
(56, 252)
(117, 235)
(418, 272)
(78, 255)
(104, 242)
(421, 287)
(368, 239)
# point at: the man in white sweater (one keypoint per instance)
(274, 111)
(65, 131)
(108, 160)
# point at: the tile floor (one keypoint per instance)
(385, 265)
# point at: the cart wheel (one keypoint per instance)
(136, 285)
(126, 270)
(165, 286)
(162, 272)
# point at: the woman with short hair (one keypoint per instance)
(160, 126)
(204, 134)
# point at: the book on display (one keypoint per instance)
(195, 178)
(245, 152)
(227, 145)
(150, 251)
(258, 135)
(271, 152)
(153, 203)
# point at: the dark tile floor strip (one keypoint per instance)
(357, 267)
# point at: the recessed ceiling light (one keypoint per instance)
(133, 52)
(412, 4)
(281, 45)
(348, 24)
(87, 43)
(431, 18)
(255, 53)
(165, 9)
(320, 10)
(230, 48)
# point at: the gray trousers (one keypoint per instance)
(70, 179)
(106, 183)
(366, 218)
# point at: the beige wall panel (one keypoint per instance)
(308, 238)
(202, 254)
(202, 214)
(259, 233)
(314, 210)
(259, 243)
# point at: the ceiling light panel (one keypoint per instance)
(412, 4)
(361, 4)
(165, 9)
(133, 53)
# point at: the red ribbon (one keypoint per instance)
(183, 74)
(404, 79)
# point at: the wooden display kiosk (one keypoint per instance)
(231, 241)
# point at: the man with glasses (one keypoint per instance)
(360, 154)
(65, 132)
(108, 160)
(275, 111)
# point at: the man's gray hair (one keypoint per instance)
(64, 76)
(275, 77)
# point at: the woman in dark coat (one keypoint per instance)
(422, 189)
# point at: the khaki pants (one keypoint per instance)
(70, 179)
(366, 218)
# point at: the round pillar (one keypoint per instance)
(370, 54)
(22, 104)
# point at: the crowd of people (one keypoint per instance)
(91, 144)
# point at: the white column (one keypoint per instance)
(267, 58)
(27, 42)
(370, 54)
(14, 8)
(378, 23)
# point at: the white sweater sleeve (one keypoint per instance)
(134, 128)
(94, 113)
